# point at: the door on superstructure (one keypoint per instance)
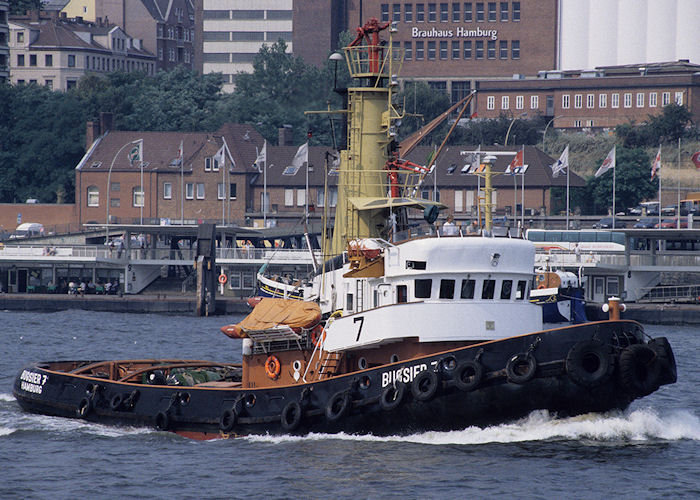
(598, 294)
(22, 280)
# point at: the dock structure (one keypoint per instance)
(132, 257)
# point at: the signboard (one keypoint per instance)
(19, 218)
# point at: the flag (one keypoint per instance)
(219, 157)
(608, 163)
(261, 159)
(656, 164)
(696, 159)
(180, 153)
(561, 164)
(301, 156)
(474, 115)
(136, 152)
(517, 164)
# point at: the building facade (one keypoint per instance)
(165, 27)
(601, 98)
(4, 42)
(56, 51)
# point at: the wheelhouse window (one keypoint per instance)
(488, 290)
(467, 291)
(506, 289)
(422, 288)
(521, 290)
(447, 289)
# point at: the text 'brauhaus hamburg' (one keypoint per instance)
(460, 32)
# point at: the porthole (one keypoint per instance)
(296, 366)
(362, 364)
(394, 358)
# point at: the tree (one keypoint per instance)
(22, 6)
(632, 182)
(422, 104)
(668, 126)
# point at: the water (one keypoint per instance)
(648, 451)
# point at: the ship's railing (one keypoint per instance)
(366, 61)
(565, 258)
(672, 293)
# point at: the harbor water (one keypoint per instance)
(648, 451)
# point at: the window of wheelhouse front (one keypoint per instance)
(467, 291)
(447, 289)
(506, 289)
(488, 290)
(520, 291)
(423, 288)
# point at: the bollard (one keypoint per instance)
(614, 308)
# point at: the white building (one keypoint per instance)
(4, 40)
(616, 32)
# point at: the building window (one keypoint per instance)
(503, 49)
(385, 12)
(220, 191)
(456, 12)
(408, 50)
(137, 196)
(459, 201)
(578, 101)
(301, 197)
(565, 101)
(491, 102)
(167, 190)
(71, 84)
(590, 101)
(234, 280)
(491, 47)
(20, 59)
(665, 98)
(71, 61)
(534, 102)
(652, 99)
(627, 100)
(479, 49)
(519, 102)
(289, 197)
(480, 12)
(577, 123)
(215, 164)
(468, 17)
(114, 202)
(444, 13)
(396, 12)
(603, 100)
(20, 37)
(515, 49)
(505, 102)
(640, 99)
(492, 12)
(504, 12)
(455, 49)
(432, 12)
(408, 13)
(443, 49)
(420, 13)
(467, 49)
(431, 50)
(93, 196)
(49, 84)
(516, 11)
(233, 191)
(207, 164)
(615, 101)
(200, 190)
(419, 51)
(679, 98)
(32, 59)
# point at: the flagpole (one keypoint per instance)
(223, 185)
(265, 192)
(306, 194)
(678, 216)
(567, 197)
(182, 182)
(613, 186)
(143, 193)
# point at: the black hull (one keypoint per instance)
(557, 370)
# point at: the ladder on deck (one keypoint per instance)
(329, 364)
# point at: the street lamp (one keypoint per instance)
(109, 184)
(544, 134)
(522, 115)
(335, 57)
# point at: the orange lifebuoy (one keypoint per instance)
(541, 287)
(273, 367)
(318, 334)
(223, 279)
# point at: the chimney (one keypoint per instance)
(285, 135)
(106, 120)
(93, 130)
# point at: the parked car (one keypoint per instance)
(28, 230)
(672, 224)
(651, 208)
(669, 210)
(646, 223)
(607, 223)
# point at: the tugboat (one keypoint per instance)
(404, 329)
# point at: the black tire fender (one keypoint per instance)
(116, 402)
(640, 370)
(425, 385)
(666, 358)
(227, 420)
(392, 396)
(468, 375)
(337, 406)
(521, 368)
(162, 421)
(590, 363)
(291, 416)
